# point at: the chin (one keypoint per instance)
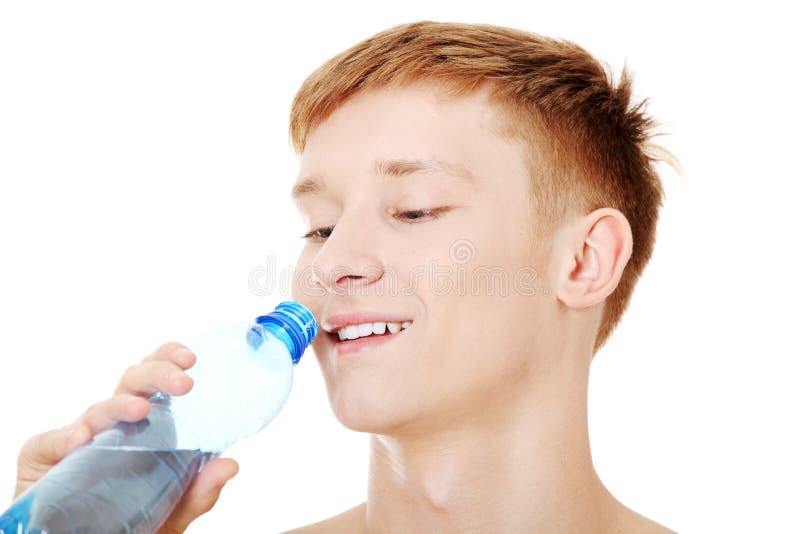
(370, 411)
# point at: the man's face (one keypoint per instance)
(432, 227)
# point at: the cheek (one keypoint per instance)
(299, 275)
(302, 281)
(481, 326)
(297, 293)
(304, 289)
(483, 359)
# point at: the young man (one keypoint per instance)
(480, 204)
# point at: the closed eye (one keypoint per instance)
(410, 216)
(319, 234)
(419, 215)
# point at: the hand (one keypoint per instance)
(161, 371)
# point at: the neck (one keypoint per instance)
(521, 464)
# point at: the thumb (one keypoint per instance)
(202, 495)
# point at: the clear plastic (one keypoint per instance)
(129, 478)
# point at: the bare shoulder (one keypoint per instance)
(350, 521)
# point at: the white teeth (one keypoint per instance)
(355, 331)
(364, 329)
(351, 332)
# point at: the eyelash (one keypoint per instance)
(430, 213)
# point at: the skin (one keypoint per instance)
(478, 411)
(163, 370)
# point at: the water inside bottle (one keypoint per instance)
(101, 490)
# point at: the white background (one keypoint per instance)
(145, 170)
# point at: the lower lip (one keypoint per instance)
(363, 343)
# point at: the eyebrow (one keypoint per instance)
(393, 168)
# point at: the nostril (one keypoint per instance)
(348, 277)
(356, 277)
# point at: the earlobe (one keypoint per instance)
(593, 268)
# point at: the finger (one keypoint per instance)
(202, 494)
(146, 378)
(39, 454)
(105, 414)
(174, 352)
(48, 448)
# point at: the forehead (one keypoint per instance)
(411, 122)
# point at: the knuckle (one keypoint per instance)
(127, 379)
(130, 372)
(93, 409)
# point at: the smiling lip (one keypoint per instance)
(335, 322)
(349, 346)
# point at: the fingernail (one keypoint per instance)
(184, 356)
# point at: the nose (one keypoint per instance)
(348, 259)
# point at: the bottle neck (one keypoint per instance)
(283, 335)
(292, 323)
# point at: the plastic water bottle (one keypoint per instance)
(130, 477)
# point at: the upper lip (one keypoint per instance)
(334, 322)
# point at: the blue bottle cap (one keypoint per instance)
(297, 326)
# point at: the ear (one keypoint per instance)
(595, 258)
